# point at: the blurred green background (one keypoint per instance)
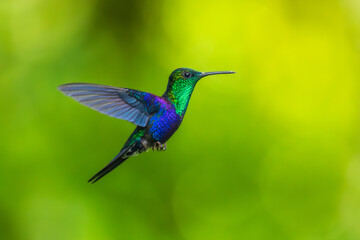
(269, 153)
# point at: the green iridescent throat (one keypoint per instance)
(179, 92)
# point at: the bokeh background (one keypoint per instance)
(269, 153)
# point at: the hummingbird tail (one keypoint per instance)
(135, 149)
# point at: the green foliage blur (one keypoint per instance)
(271, 152)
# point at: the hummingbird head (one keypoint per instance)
(181, 84)
(189, 76)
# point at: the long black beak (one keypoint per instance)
(213, 73)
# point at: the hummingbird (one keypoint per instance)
(156, 117)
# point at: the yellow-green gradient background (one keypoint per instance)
(271, 152)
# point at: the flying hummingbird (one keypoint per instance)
(157, 118)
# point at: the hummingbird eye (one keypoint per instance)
(187, 74)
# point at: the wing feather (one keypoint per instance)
(120, 103)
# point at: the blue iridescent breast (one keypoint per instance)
(165, 122)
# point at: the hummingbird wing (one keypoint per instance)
(123, 103)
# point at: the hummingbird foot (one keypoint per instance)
(158, 146)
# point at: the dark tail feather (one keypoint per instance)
(111, 166)
(124, 154)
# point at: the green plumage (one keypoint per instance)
(179, 91)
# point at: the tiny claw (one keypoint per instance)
(158, 146)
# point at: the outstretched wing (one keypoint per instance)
(128, 104)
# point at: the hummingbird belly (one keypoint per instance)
(164, 124)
